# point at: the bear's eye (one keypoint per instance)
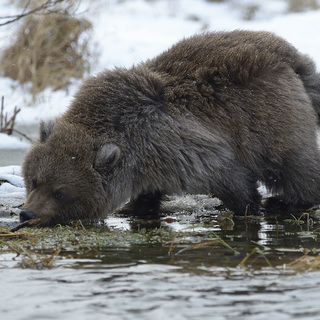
(33, 183)
(60, 196)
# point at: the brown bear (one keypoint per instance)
(216, 113)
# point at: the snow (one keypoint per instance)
(12, 191)
(12, 174)
(128, 32)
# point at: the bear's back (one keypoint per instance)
(227, 54)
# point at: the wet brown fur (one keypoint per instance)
(214, 114)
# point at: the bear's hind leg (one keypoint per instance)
(300, 185)
(240, 194)
(234, 184)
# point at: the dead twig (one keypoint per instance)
(27, 223)
(7, 124)
(47, 7)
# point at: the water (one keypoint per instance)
(145, 281)
(11, 157)
(15, 156)
(157, 291)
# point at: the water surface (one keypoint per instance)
(175, 280)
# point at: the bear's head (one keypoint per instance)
(71, 175)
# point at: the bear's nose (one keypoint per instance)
(26, 215)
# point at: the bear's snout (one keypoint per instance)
(26, 215)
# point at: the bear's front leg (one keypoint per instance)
(147, 204)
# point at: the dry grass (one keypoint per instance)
(250, 9)
(302, 5)
(48, 51)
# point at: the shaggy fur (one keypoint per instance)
(214, 114)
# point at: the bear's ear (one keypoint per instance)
(106, 157)
(46, 128)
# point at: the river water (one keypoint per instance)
(156, 291)
(140, 281)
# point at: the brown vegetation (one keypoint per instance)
(48, 51)
(302, 5)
